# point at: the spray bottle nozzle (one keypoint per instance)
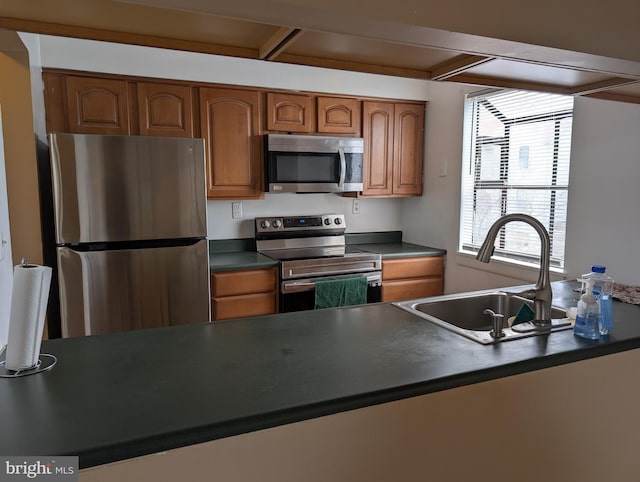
(583, 286)
(588, 293)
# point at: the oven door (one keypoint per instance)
(299, 294)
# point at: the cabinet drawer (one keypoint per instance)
(404, 268)
(409, 289)
(231, 283)
(244, 305)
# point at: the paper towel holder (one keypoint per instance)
(45, 363)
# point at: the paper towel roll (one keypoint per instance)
(26, 320)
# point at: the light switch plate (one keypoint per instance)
(355, 208)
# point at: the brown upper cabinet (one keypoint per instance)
(290, 112)
(230, 124)
(165, 109)
(394, 146)
(97, 106)
(233, 120)
(339, 115)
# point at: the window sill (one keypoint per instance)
(507, 267)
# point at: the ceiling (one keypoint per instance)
(374, 46)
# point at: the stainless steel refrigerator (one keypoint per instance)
(130, 230)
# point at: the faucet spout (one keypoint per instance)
(541, 294)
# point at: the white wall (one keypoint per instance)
(375, 214)
(603, 221)
(603, 225)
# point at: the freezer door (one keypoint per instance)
(130, 289)
(127, 188)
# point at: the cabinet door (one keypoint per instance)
(289, 112)
(408, 278)
(230, 123)
(97, 106)
(244, 293)
(339, 116)
(165, 110)
(408, 149)
(378, 118)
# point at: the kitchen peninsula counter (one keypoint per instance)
(119, 396)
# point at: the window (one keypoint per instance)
(516, 160)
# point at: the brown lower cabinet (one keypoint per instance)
(408, 278)
(235, 294)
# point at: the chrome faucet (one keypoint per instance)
(541, 294)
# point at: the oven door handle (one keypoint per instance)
(343, 167)
(293, 286)
(296, 286)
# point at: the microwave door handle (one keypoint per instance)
(343, 167)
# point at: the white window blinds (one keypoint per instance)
(516, 160)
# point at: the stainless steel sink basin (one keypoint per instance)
(463, 314)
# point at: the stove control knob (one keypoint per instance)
(265, 224)
(276, 223)
(327, 221)
(337, 221)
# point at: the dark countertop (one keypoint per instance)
(117, 396)
(239, 260)
(235, 254)
(400, 250)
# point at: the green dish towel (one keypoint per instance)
(341, 292)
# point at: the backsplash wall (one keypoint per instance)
(375, 214)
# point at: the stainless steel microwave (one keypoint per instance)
(298, 163)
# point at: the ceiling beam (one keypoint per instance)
(631, 99)
(353, 66)
(90, 33)
(278, 42)
(457, 65)
(508, 83)
(602, 85)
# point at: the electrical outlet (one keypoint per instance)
(236, 210)
(355, 208)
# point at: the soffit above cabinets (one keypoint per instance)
(466, 60)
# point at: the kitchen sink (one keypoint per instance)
(464, 315)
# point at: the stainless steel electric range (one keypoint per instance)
(313, 248)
